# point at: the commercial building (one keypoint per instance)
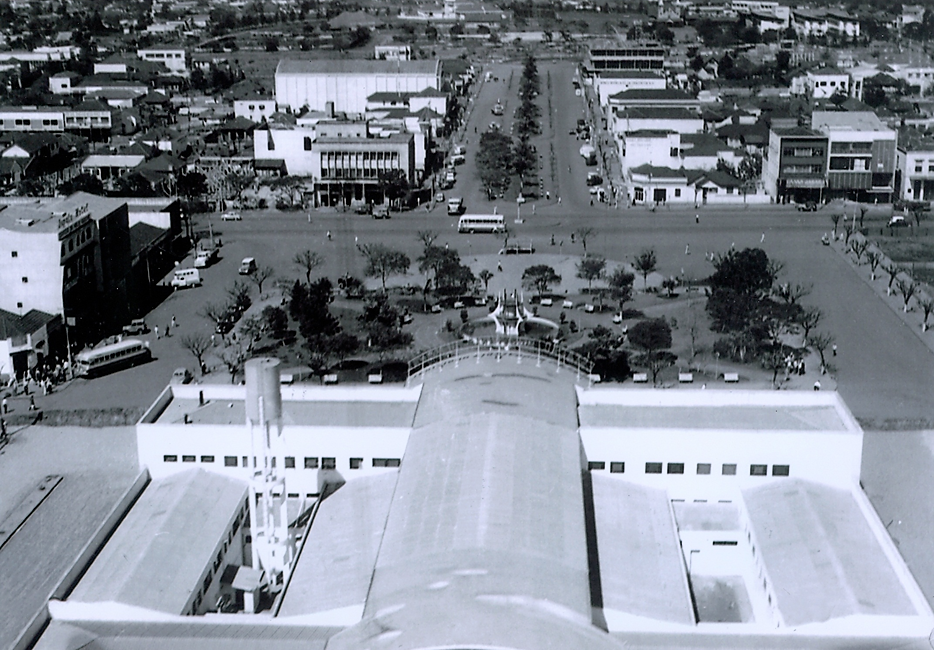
(654, 99)
(347, 83)
(26, 340)
(795, 167)
(510, 505)
(861, 164)
(624, 55)
(611, 82)
(834, 23)
(822, 83)
(255, 108)
(656, 118)
(173, 59)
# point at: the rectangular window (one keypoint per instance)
(207, 459)
(725, 542)
(230, 461)
(386, 462)
(703, 468)
(617, 468)
(246, 462)
(311, 463)
(356, 463)
(758, 470)
(170, 458)
(729, 469)
(307, 143)
(290, 462)
(596, 464)
(780, 470)
(293, 495)
(676, 468)
(188, 459)
(25, 280)
(14, 254)
(328, 463)
(677, 192)
(653, 468)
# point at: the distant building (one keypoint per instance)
(643, 118)
(795, 168)
(347, 83)
(255, 108)
(825, 22)
(624, 55)
(821, 83)
(916, 165)
(861, 164)
(611, 82)
(173, 59)
(62, 83)
(393, 52)
(654, 99)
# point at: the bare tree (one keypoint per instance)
(927, 306)
(308, 261)
(808, 319)
(214, 312)
(382, 261)
(234, 356)
(584, 234)
(821, 343)
(906, 287)
(892, 272)
(790, 294)
(874, 258)
(197, 344)
(427, 237)
(260, 275)
(835, 217)
(859, 246)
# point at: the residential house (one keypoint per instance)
(658, 185)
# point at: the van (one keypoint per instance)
(186, 278)
(247, 266)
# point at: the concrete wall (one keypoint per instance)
(38, 258)
(289, 146)
(347, 91)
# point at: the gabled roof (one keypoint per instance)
(237, 124)
(31, 143)
(657, 113)
(430, 91)
(720, 179)
(657, 172)
(648, 94)
(390, 97)
(13, 325)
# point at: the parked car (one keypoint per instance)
(247, 266)
(381, 212)
(809, 206)
(898, 221)
(439, 197)
(181, 376)
(231, 216)
(135, 327)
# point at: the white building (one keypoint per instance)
(611, 82)
(821, 83)
(348, 83)
(916, 164)
(680, 120)
(256, 109)
(825, 22)
(173, 59)
(393, 52)
(657, 148)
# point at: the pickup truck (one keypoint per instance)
(205, 257)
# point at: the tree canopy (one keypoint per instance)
(540, 277)
(382, 261)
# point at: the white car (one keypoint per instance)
(231, 216)
(520, 199)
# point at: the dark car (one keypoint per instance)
(809, 206)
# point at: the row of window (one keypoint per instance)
(209, 578)
(311, 462)
(919, 168)
(25, 121)
(703, 469)
(803, 152)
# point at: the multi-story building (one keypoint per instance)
(681, 120)
(915, 165)
(795, 168)
(821, 83)
(611, 82)
(88, 118)
(347, 83)
(624, 55)
(255, 108)
(393, 52)
(861, 163)
(68, 257)
(656, 148)
(173, 59)
(825, 22)
(651, 99)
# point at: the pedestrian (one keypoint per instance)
(687, 249)
(817, 385)
(329, 235)
(499, 267)
(762, 238)
(559, 200)
(697, 218)
(834, 349)
(213, 341)
(5, 405)
(572, 238)
(174, 322)
(552, 239)
(547, 196)
(168, 330)
(156, 330)
(32, 403)
(591, 201)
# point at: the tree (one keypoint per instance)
(133, 184)
(287, 186)
(233, 357)
(308, 261)
(821, 342)
(809, 318)
(790, 294)
(214, 312)
(906, 287)
(835, 218)
(645, 263)
(239, 294)
(874, 258)
(197, 344)
(540, 277)
(584, 234)
(382, 322)
(669, 284)
(192, 184)
(590, 268)
(485, 276)
(746, 272)
(392, 184)
(653, 337)
(382, 262)
(276, 321)
(620, 282)
(927, 306)
(495, 162)
(82, 183)
(782, 65)
(859, 246)
(892, 271)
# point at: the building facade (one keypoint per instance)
(795, 169)
(348, 83)
(861, 163)
(174, 59)
(622, 55)
(915, 164)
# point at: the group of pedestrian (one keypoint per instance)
(168, 329)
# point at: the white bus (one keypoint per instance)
(108, 358)
(481, 223)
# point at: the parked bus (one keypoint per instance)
(109, 358)
(481, 223)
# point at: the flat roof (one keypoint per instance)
(821, 554)
(157, 554)
(848, 121)
(336, 565)
(641, 566)
(356, 66)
